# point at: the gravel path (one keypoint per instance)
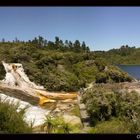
(84, 115)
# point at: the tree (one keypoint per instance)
(83, 46)
(40, 41)
(51, 45)
(66, 43)
(70, 45)
(16, 39)
(35, 41)
(77, 46)
(61, 44)
(87, 49)
(29, 41)
(3, 40)
(45, 42)
(57, 42)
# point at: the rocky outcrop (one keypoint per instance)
(73, 120)
(15, 76)
(17, 84)
(24, 95)
(34, 115)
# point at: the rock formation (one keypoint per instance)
(15, 76)
(17, 84)
(19, 88)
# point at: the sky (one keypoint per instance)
(102, 28)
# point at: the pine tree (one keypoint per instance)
(77, 46)
(83, 46)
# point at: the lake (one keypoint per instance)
(133, 70)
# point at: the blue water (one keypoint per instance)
(132, 70)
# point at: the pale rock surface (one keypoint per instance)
(74, 120)
(15, 76)
(33, 114)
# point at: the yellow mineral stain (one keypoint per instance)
(44, 100)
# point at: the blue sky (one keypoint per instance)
(102, 28)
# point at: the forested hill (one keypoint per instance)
(58, 65)
(124, 55)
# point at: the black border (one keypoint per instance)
(70, 3)
(70, 136)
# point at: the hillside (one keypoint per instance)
(124, 55)
(59, 66)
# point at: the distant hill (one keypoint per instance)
(123, 55)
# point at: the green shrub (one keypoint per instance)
(128, 103)
(58, 125)
(117, 75)
(101, 78)
(12, 121)
(113, 126)
(103, 103)
(98, 104)
(62, 81)
(41, 66)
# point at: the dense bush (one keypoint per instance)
(117, 75)
(58, 70)
(100, 103)
(59, 81)
(12, 121)
(101, 78)
(104, 102)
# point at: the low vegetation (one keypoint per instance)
(111, 109)
(112, 126)
(58, 65)
(69, 66)
(124, 55)
(11, 121)
(58, 125)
